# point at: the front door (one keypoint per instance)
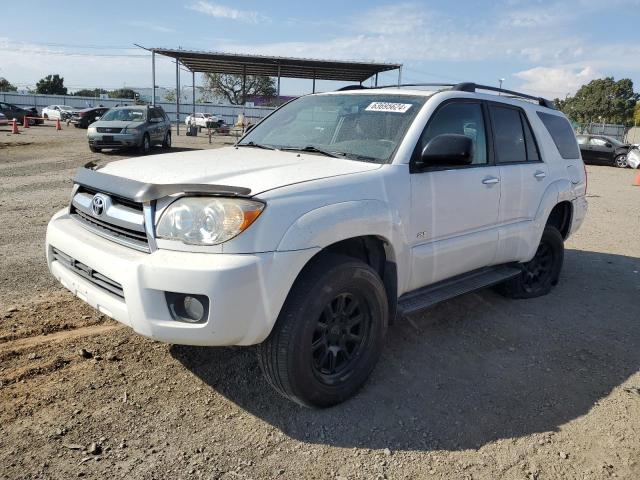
(454, 210)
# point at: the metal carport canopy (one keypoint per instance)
(242, 64)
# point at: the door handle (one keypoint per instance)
(539, 175)
(491, 180)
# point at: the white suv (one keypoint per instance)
(335, 215)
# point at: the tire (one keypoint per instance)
(620, 161)
(166, 143)
(336, 309)
(145, 145)
(542, 272)
(95, 149)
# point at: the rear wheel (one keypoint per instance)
(621, 161)
(166, 143)
(329, 334)
(541, 273)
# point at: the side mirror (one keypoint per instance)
(448, 149)
(608, 145)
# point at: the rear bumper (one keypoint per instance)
(246, 292)
(580, 208)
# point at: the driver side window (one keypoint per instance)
(463, 118)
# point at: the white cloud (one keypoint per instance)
(556, 82)
(217, 10)
(149, 26)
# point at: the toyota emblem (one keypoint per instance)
(98, 204)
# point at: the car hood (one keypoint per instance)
(258, 170)
(116, 124)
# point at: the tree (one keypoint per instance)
(85, 92)
(601, 100)
(51, 85)
(6, 86)
(122, 93)
(170, 96)
(230, 87)
(636, 114)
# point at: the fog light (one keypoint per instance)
(186, 307)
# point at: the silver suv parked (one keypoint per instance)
(131, 126)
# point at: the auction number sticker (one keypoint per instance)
(388, 107)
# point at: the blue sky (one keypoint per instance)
(543, 47)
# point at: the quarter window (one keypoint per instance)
(562, 134)
(463, 118)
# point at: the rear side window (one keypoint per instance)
(562, 134)
(508, 135)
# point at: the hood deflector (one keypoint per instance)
(88, 176)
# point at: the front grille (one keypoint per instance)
(108, 130)
(89, 274)
(121, 220)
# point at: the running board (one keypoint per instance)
(431, 295)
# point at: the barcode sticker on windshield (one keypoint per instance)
(388, 107)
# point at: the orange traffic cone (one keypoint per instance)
(14, 127)
(58, 125)
(26, 122)
(636, 182)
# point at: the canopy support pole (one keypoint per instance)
(244, 88)
(314, 82)
(177, 96)
(399, 76)
(278, 99)
(376, 79)
(153, 78)
(193, 92)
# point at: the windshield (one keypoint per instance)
(126, 115)
(354, 126)
(613, 141)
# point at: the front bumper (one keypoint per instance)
(114, 140)
(246, 292)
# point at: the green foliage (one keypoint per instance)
(601, 100)
(51, 85)
(123, 93)
(85, 92)
(6, 86)
(636, 114)
(170, 96)
(230, 87)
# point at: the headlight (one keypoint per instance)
(91, 130)
(207, 220)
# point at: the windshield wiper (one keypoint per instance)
(313, 149)
(255, 145)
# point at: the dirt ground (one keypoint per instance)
(480, 387)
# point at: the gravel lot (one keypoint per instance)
(480, 387)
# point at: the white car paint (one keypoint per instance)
(435, 224)
(54, 112)
(200, 119)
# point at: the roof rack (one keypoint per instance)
(461, 87)
(472, 87)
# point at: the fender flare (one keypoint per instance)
(332, 223)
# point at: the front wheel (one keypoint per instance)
(541, 273)
(621, 161)
(329, 334)
(145, 146)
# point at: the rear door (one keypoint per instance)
(524, 178)
(454, 210)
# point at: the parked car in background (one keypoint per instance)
(58, 112)
(135, 126)
(202, 120)
(14, 112)
(603, 150)
(3, 119)
(84, 118)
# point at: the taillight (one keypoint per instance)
(81, 114)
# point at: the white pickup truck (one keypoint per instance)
(332, 217)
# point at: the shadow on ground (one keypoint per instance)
(470, 371)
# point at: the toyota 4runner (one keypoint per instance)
(335, 215)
